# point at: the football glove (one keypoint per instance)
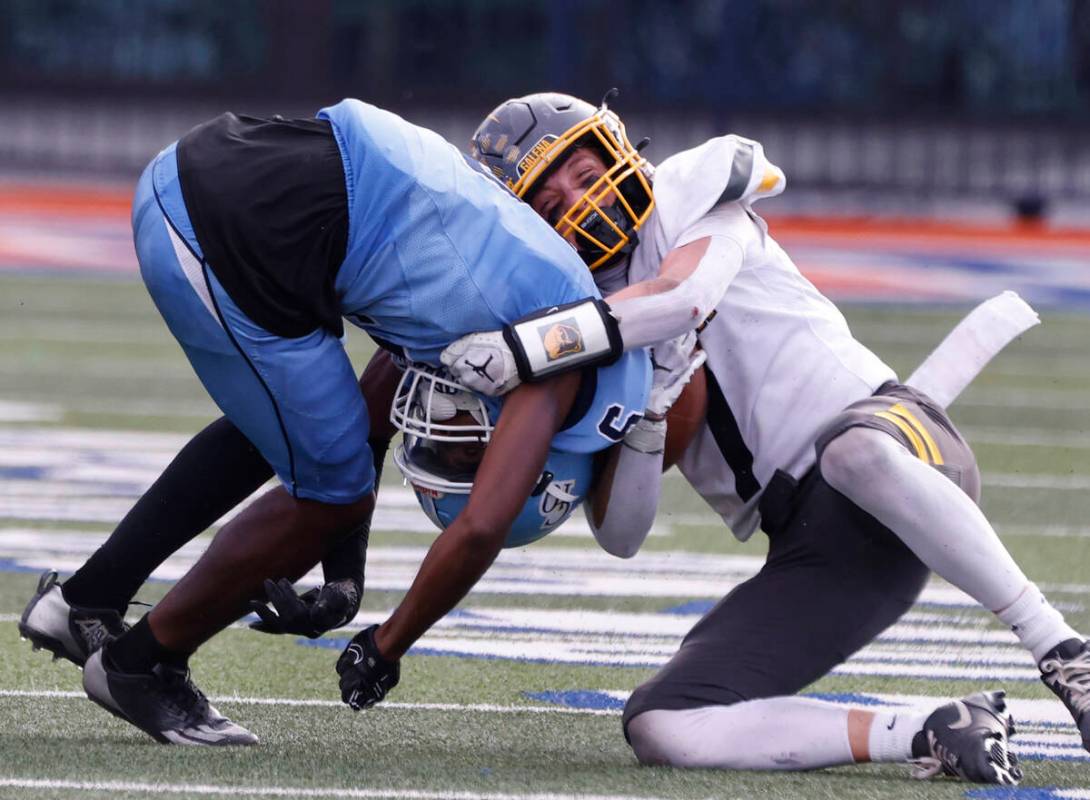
(673, 364)
(482, 362)
(310, 614)
(366, 676)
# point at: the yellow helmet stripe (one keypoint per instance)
(906, 429)
(928, 439)
(768, 182)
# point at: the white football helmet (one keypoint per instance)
(445, 429)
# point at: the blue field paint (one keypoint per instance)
(848, 698)
(599, 662)
(23, 473)
(692, 607)
(9, 565)
(328, 643)
(583, 699)
(1027, 793)
(338, 643)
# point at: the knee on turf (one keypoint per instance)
(660, 738)
(858, 454)
(689, 738)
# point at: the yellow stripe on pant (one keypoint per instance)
(928, 440)
(906, 429)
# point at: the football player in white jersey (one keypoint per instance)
(862, 484)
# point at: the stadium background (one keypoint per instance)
(936, 153)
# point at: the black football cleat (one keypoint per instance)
(65, 630)
(165, 704)
(969, 739)
(1066, 671)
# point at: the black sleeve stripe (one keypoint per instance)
(231, 336)
(724, 428)
(741, 170)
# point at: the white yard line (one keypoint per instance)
(220, 790)
(1052, 531)
(1027, 437)
(19, 411)
(484, 708)
(1050, 399)
(1046, 730)
(1020, 480)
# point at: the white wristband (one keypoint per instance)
(579, 334)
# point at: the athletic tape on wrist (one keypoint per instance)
(647, 436)
(562, 338)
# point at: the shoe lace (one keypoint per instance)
(925, 767)
(1072, 677)
(940, 760)
(182, 694)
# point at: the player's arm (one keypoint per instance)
(462, 553)
(344, 563)
(625, 498)
(337, 601)
(692, 281)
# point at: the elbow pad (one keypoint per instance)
(563, 338)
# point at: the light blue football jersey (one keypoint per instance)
(437, 249)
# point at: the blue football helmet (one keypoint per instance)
(445, 429)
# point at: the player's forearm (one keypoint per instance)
(626, 500)
(275, 536)
(511, 466)
(455, 562)
(347, 558)
(693, 280)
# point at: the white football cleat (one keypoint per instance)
(969, 739)
(65, 630)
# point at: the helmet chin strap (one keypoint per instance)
(594, 225)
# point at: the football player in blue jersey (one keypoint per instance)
(255, 238)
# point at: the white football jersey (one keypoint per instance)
(781, 359)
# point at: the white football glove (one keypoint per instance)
(482, 362)
(673, 364)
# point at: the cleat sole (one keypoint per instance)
(39, 641)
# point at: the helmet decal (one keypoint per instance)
(534, 154)
(556, 503)
(561, 338)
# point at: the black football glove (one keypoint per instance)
(366, 676)
(310, 614)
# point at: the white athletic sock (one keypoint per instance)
(940, 524)
(1038, 625)
(775, 733)
(891, 735)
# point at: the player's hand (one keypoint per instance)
(673, 364)
(310, 614)
(482, 362)
(366, 676)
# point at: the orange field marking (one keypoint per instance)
(101, 201)
(70, 201)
